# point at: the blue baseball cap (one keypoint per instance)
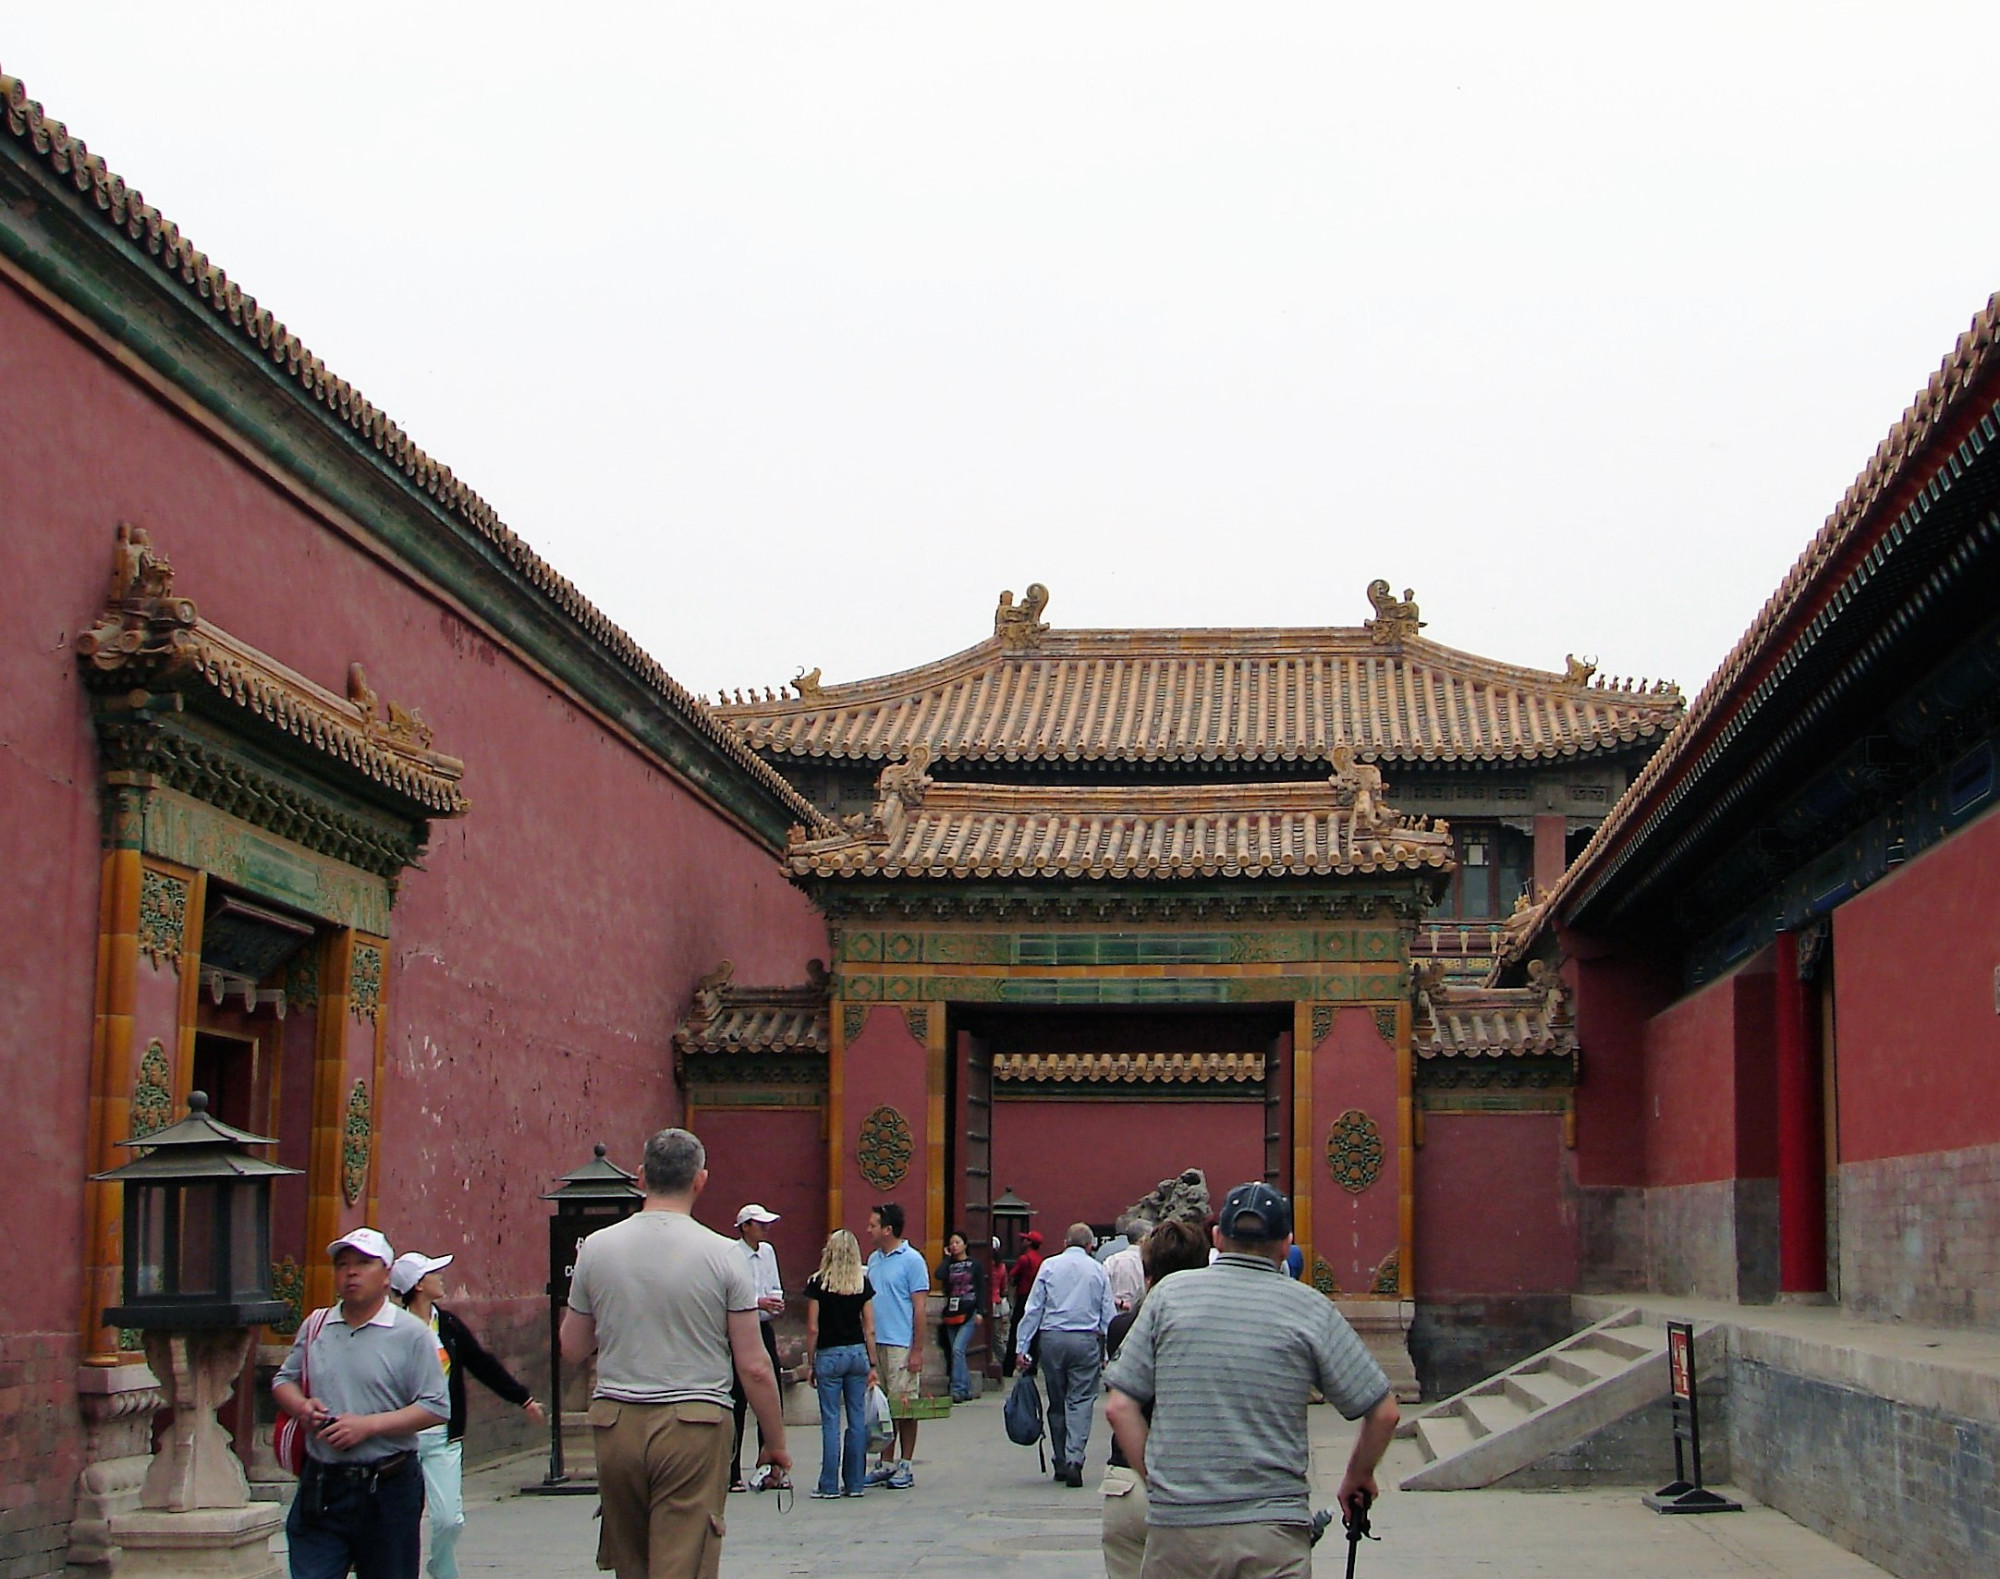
(1255, 1214)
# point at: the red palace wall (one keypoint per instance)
(777, 1158)
(1088, 1161)
(1354, 1068)
(885, 1066)
(1914, 984)
(538, 962)
(1493, 1215)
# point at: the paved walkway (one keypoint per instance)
(979, 1511)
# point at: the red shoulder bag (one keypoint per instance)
(288, 1439)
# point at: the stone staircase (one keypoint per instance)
(1541, 1408)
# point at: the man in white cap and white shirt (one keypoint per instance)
(376, 1382)
(763, 1256)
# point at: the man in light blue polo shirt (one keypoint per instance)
(902, 1283)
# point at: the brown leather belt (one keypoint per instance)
(374, 1469)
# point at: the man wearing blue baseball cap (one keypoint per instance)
(1227, 1359)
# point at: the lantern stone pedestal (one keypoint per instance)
(202, 1543)
(196, 1466)
(118, 1404)
(195, 1516)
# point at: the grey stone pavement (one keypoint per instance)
(980, 1509)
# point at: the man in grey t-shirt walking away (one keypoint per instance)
(670, 1310)
(1226, 1359)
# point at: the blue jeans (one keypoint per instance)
(375, 1526)
(841, 1374)
(959, 1340)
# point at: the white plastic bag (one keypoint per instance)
(881, 1429)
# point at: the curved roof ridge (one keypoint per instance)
(1809, 580)
(124, 210)
(1261, 693)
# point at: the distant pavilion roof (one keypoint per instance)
(1030, 693)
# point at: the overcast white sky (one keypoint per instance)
(792, 334)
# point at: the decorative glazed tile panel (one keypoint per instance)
(853, 1020)
(302, 978)
(1354, 1151)
(365, 984)
(153, 1093)
(357, 1144)
(163, 901)
(1389, 1275)
(1322, 1026)
(884, 1148)
(1385, 1023)
(288, 1282)
(919, 1021)
(1323, 1278)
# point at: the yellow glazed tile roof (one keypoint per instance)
(1249, 695)
(1166, 831)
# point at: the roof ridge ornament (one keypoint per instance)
(1021, 627)
(1395, 618)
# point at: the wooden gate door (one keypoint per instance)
(976, 1185)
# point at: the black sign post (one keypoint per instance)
(597, 1195)
(1685, 1493)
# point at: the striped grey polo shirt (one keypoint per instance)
(1226, 1357)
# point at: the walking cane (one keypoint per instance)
(1357, 1527)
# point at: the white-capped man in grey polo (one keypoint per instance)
(376, 1382)
(1227, 1357)
(1069, 1309)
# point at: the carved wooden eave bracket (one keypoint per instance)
(182, 704)
(1340, 826)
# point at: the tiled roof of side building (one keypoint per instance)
(1153, 831)
(1961, 391)
(124, 211)
(1030, 693)
(728, 1018)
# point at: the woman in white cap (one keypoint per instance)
(419, 1282)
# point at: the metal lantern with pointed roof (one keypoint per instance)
(595, 1196)
(197, 1227)
(1010, 1216)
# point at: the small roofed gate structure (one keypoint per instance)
(1109, 904)
(1210, 952)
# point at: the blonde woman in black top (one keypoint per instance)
(840, 1348)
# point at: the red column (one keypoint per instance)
(1550, 837)
(1801, 1144)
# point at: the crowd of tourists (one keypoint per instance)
(1199, 1337)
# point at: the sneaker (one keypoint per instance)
(826, 1496)
(1073, 1476)
(880, 1474)
(902, 1479)
(856, 1492)
(739, 1485)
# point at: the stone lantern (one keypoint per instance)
(197, 1283)
(595, 1196)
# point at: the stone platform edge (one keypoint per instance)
(1955, 1371)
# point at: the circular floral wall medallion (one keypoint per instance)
(885, 1148)
(1354, 1151)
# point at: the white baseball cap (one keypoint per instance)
(412, 1267)
(753, 1213)
(368, 1242)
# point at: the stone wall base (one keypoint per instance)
(1458, 1342)
(1919, 1237)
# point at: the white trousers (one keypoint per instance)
(443, 1464)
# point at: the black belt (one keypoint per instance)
(374, 1469)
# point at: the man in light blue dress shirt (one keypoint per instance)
(1069, 1309)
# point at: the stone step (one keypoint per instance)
(1440, 1436)
(1539, 1389)
(1490, 1413)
